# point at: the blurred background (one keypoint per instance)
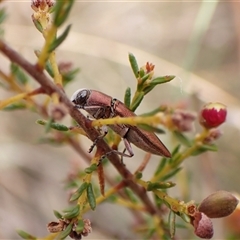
(198, 42)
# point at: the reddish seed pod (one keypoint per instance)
(218, 204)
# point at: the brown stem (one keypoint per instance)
(85, 123)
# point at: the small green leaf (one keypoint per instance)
(73, 213)
(171, 223)
(75, 196)
(49, 69)
(25, 235)
(150, 128)
(157, 81)
(71, 184)
(138, 175)
(56, 126)
(79, 192)
(176, 150)
(204, 148)
(82, 187)
(148, 88)
(52, 9)
(145, 78)
(69, 209)
(48, 125)
(150, 233)
(127, 97)
(69, 76)
(3, 15)
(209, 147)
(163, 79)
(61, 10)
(134, 64)
(158, 201)
(155, 111)
(57, 214)
(38, 25)
(141, 72)
(21, 77)
(137, 101)
(66, 232)
(161, 165)
(15, 106)
(185, 217)
(112, 198)
(80, 226)
(159, 185)
(166, 237)
(182, 138)
(130, 195)
(91, 169)
(60, 39)
(50, 140)
(171, 174)
(91, 197)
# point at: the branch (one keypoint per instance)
(49, 87)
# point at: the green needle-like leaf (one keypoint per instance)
(38, 25)
(66, 232)
(91, 169)
(60, 39)
(62, 10)
(159, 185)
(3, 15)
(79, 192)
(204, 148)
(15, 106)
(134, 64)
(157, 81)
(127, 97)
(171, 223)
(73, 213)
(69, 76)
(171, 174)
(25, 235)
(56, 126)
(80, 226)
(137, 101)
(182, 138)
(161, 165)
(21, 77)
(91, 196)
(57, 214)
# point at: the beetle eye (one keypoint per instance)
(80, 97)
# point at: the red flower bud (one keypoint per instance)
(213, 115)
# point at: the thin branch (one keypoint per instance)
(85, 123)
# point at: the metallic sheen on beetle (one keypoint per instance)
(100, 105)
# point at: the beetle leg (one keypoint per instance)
(128, 148)
(122, 154)
(104, 131)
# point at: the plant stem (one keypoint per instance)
(85, 123)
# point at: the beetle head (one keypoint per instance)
(80, 97)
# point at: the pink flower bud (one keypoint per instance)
(213, 115)
(203, 226)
